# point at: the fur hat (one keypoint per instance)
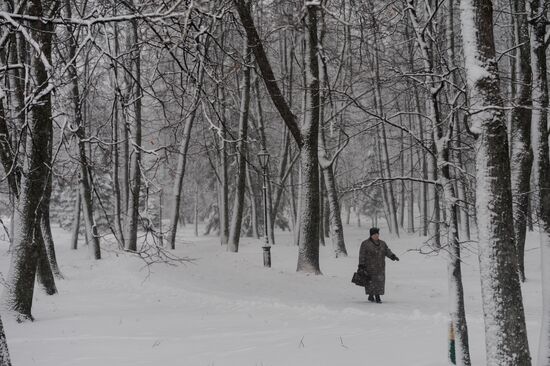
(374, 230)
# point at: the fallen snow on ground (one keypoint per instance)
(227, 309)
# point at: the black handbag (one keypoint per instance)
(360, 278)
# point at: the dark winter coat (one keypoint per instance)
(372, 257)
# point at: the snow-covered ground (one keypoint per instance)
(227, 309)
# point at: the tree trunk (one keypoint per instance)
(119, 207)
(541, 172)
(521, 158)
(85, 181)
(76, 219)
(410, 211)
(254, 212)
(19, 286)
(224, 184)
(505, 331)
(182, 158)
(385, 162)
(458, 323)
(321, 209)
(308, 237)
(384, 187)
(335, 226)
(238, 204)
(48, 239)
(44, 273)
(270, 224)
(196, 210)
(4, 352)
(308, 253)
(403, 189)
(441, 146)
(134, 182)
(423, 194)
(462, 185)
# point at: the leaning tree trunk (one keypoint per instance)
(130, 236)
(308, 258)
(4, 352)
(336, 227)
(19, 286)
(505, 330)
(45, 225)
(44, 273)
(46, 229)
(521, 156)
(238, 204)
(541, 171)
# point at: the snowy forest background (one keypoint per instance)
(130, 131)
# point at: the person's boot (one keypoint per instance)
(371, 298)
(378, 300)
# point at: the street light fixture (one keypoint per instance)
(263, 157)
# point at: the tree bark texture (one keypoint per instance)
(19, 288)
(4, 352)
(541, 172)
(308, 252)
(505, 331)
(521, 158)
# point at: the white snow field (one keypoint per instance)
(227, 309)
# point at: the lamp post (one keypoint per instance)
(263, 157)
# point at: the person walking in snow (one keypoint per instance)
(372, 263)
